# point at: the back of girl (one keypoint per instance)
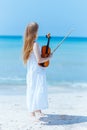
(36, 92)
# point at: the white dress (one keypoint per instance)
(36, 92)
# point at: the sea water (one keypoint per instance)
(67, 66)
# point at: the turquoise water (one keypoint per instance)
(68, 65)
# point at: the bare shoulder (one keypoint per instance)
(36, 45)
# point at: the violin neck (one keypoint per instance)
(47, 45)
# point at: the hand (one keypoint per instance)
(51, 55)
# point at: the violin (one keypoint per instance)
(45, 52)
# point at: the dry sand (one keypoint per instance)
(67, 111)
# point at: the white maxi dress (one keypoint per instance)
(36, 92)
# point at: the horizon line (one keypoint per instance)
(44, 36)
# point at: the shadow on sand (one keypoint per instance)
(54, 119)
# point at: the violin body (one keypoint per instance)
(44, 55)
(45, 52)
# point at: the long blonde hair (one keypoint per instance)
(29, 37)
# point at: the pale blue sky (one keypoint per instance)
(54, 16)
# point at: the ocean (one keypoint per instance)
(67, 66)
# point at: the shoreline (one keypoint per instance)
(21, 89)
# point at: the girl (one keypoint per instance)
(36, 94)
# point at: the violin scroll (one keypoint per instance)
(48, 35)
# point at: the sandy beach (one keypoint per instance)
(67, 111)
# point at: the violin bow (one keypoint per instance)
(62, 41)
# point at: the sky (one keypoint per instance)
(54, 16)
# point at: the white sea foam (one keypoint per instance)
(70, 85)
(10, 78)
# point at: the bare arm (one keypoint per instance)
(38, 54)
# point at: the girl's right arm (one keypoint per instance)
(38, 54)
